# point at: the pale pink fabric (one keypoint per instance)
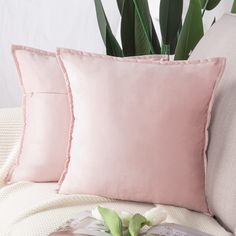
(46, 117)
(140, 129)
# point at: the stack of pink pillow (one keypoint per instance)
(125, 128)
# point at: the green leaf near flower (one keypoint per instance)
(112, 221)
(136, 223)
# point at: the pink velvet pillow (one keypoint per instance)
(47, 117)
(140, 129)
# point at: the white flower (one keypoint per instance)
(96, 214)
(125, 217)
(156, 215)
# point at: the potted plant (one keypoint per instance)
(138, 34)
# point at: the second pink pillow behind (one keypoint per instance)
(47, 117)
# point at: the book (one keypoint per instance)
(86, 225)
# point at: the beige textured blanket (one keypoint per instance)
(33, 209)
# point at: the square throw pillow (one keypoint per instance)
(140, 130)
(47, 116)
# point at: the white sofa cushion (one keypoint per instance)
(221, 173)
(34, 209)
(11, 126)
(10, 131)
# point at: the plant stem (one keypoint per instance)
(165, 49)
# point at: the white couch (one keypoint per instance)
(34, 209)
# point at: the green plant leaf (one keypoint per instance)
(212, 4)
(142, 14)
(192, 31)
(120, 4)
(209, 4)
(112, 46)
(136, 223)
(233, 10)
(203, 3)
(133, 38)
(155, 41)
(128, 28)
(173, 43)
(112, 221)
(170, 13)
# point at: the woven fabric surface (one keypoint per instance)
(11, 125)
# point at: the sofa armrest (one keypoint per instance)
(11, 125)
